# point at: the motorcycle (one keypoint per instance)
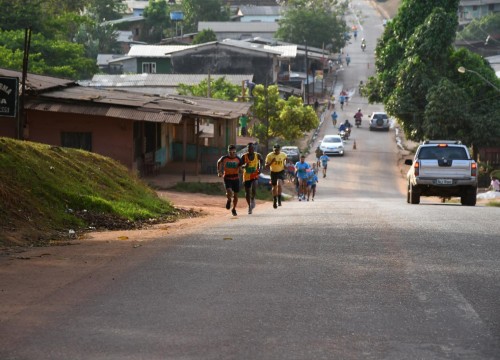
(343, 135)
(357, 122)
(347, 133)
(363, 46)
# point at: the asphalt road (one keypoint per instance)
(356, 274)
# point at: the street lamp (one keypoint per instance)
(462, 70)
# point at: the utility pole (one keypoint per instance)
(22, 115)
(307, 76)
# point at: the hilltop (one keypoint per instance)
(49, 191)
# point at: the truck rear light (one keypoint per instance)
(473, 169)
(416, 168)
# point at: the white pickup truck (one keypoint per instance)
(442, 168)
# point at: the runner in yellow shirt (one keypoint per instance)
(252, 164)
(276, 161)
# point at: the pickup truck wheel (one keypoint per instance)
(469, 197)
(414, 195)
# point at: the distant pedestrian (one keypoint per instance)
(347, 59)
(318, 153)
(243, 124)
(334, 118)
(228, 166)
(342, 101)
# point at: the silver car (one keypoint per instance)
(332, 145)
(379, 121)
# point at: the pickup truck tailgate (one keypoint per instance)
(445, 168)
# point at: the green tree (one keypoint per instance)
(392, 45)
(284, 119)
(219, 89)
(204, 36)
(157, 19)
(424, 62)
(203, 10)
(49, 57)
(315, 24)
(105, 10)
(418, 82)
(482, 29)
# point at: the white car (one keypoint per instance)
(332, 145)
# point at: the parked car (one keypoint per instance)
(332, 145)
(292, 153)
(265, 181)
(379, 121)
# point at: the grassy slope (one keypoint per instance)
(46, 190)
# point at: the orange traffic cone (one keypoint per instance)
(354, 145)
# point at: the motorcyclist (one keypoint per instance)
(358, 116)
(348, 127)
(363, 44)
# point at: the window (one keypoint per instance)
(77, 140)
(149, 68)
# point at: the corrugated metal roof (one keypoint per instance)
(238, 27)
(36, 82)
(184, 105)
(287, 51)
(109, 111)
(155, 50)
(160, 80)
(247, 10)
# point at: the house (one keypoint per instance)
(220, 57)
(136, 7)
(239, 30)
(474, 9)
(135, 24)
(143, 132)
(228, 57)
(149, 59)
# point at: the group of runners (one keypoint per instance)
(252, 163)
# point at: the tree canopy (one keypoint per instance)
(67, 35)
(204, 36)
(315, 23)
(219, 89)
(418, 82)
(203, 10)
(278, 118)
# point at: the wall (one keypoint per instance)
(111, 137)
(8, 127)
